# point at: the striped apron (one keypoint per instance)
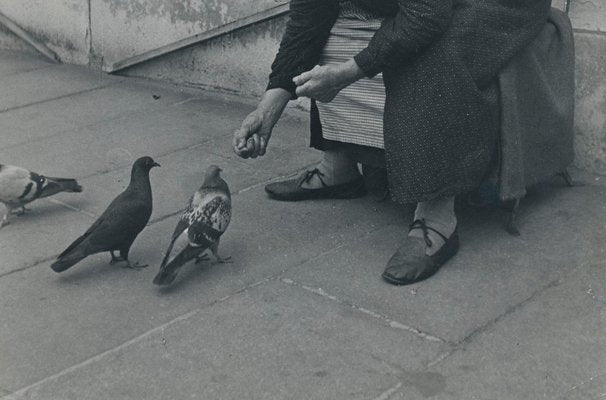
(356, 113)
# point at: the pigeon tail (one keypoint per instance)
(168, 272)
(56, 185)
(67, 262)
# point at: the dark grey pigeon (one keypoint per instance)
(200, 227)
(119, 225)
(18, 186)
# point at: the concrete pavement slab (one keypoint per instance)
(85, 109)
(115, 143)
(182, 171)
(14, 62)
(287, 151)
(316, 262)
(270, 342)
(38, 235)
(564, 224)
(49, 83)
(491, 274)
(180, 174)
(554, 347)
(98, 306)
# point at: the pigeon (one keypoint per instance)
(200, 227)
(120, 223)
(18, 186)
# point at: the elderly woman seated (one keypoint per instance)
(417, 78)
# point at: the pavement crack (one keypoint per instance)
(150, 223)
(237, 192)
(580, 385)
(589, 32)
(274, 179)
(158, 156)
(461, 344)
(553, 283)
(376, 315)
(442, 356)
(158, 329)
(63, 96)
(389, 392)
(483, 328)
(26, 267)
(95, 124)
(26, 70)
(73, 208)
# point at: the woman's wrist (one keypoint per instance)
(351, 71)
(273, 102)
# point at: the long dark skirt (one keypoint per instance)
(441, 120)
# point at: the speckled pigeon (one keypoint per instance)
(200, 227)
(19, 186)
(119, 225)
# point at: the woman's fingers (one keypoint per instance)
(304, 90)
(263, 144)
(239, 140)
(256, 146)
(304, 77)
(250, 147)
(242, 141)
(239, 143)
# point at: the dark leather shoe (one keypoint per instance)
(410, 264)
(291, 190)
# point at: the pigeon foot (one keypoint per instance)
(135, 265)
(21, 211)
(201, 258)
(116, 260)
(226, 260)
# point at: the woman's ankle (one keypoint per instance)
(439, 215)
(336, 168)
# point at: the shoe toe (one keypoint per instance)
(407, 264)
(410, 264)
(283, 189)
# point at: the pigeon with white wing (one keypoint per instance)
(19, 186)
(200, 227)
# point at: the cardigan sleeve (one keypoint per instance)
(307, 31)
(415, 26)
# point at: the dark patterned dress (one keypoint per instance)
(440, 60)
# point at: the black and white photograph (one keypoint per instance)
(302, 199)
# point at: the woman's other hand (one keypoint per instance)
(323, 83)
(251, 140)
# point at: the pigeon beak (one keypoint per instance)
(155, 164)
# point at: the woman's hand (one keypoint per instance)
(252, 138)
(323, 83)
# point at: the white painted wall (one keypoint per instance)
(122, 29)
(60, 24)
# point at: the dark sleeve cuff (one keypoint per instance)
(282, 82)
(367, 63)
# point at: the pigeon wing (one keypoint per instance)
(19, 186)
(214, 209)
(119, 224)
(15, 185)
(212, 221)
(182, 225)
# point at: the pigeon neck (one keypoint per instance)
(139, 180)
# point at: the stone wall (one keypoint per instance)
(589, 20)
